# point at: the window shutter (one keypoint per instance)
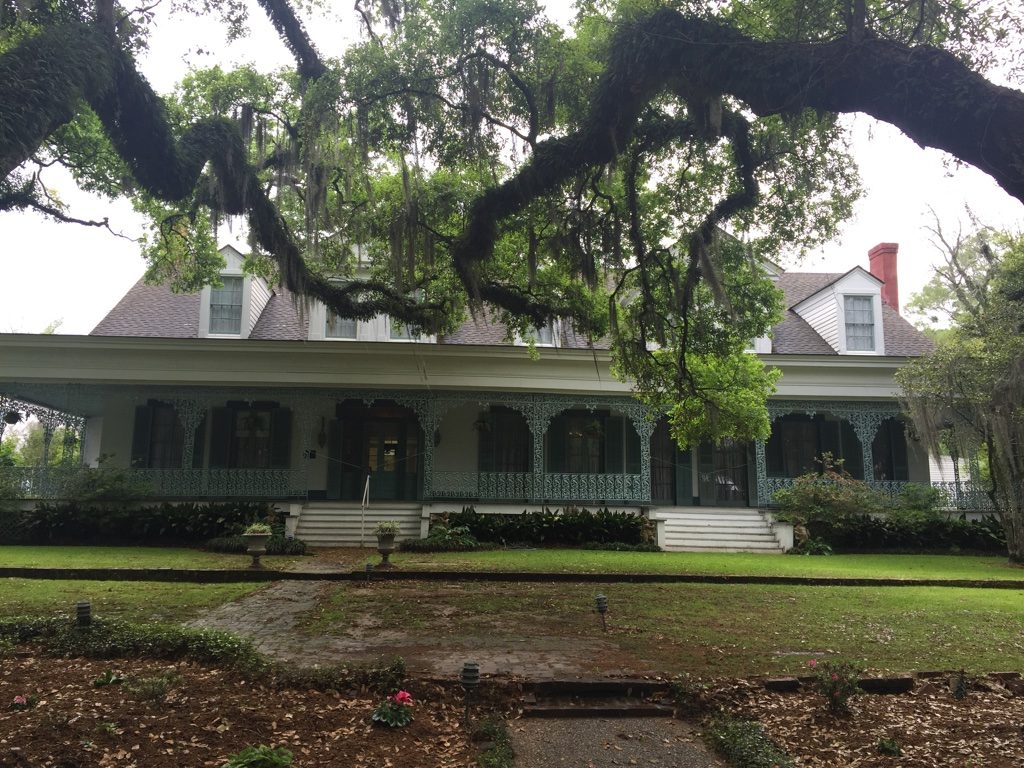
(280, 438)
(220, 437)
(141, 436)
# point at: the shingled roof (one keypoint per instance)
(155, 311)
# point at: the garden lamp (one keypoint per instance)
(83, 613)
(470, 679)
(601, 605)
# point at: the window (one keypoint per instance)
(226, 306)
(339, 327)
(860, 324)
(250, 436)
(543, 336)
(400, 332)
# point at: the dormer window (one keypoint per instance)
(339, 327)
(860, 323)
(542, 336)
(400, 332)
(226, 307)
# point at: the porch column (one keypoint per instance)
(761, 468)
(644, 426)
(191, 414)
(539, 415)
(430, 420)
(73, 429)
(865, 425)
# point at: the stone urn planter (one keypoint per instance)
(386, 532)
(256, 537)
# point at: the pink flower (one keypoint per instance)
(403, 698)
(812, 663)
(835, 676)
(20, 701)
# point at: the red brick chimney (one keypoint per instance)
(883, 266)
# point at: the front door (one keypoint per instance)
(723, 474)
(384, 443)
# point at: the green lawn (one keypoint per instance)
(127, 557)
(134, 600)
(702, 629)
(736, 564)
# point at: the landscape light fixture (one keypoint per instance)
(83, 613)
(369, 572)
(601, 605)
(470, 679)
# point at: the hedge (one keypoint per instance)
(574, 526)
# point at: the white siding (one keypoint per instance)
(259, 295)
(822, 314)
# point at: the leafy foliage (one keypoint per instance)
(481, 156)
(838, 682)
(261, 757)
(445, 538)
(967, 395)
(396, 711)
(102, 523)
(745, 744)
(573, 526)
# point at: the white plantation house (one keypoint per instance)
(238, 392)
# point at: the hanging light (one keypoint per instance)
(12, 417)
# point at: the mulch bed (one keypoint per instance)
(207, 716)
(933, 729)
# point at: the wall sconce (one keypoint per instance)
(483, 422)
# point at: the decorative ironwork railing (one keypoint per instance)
(522, 486)
(65, 482)
(964, 496)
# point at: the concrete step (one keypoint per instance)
(713, 527)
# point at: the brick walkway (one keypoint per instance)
(271, 618)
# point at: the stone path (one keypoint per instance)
(600, 743)
(271, 618)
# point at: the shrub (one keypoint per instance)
(838, 682)
(276, 545)
(572, 526)
(830, 497)
(260, 757)
(445, 538)
(154, 689)
(689, 695)
(745, 744)
(103, 523)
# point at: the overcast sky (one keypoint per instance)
(74, 274)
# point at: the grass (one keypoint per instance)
(701, 629)
(128, 557)
(135, 600)
(735, 564)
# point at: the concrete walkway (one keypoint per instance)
(599, 743)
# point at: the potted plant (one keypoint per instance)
(256, 536)
(386, 532)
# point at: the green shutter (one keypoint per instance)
(141, 436)
(220, 437)
(281, 438)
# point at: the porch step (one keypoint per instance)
(327, 524)
(702, 529)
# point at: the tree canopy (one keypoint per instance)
(629, 175)
(968, 395)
